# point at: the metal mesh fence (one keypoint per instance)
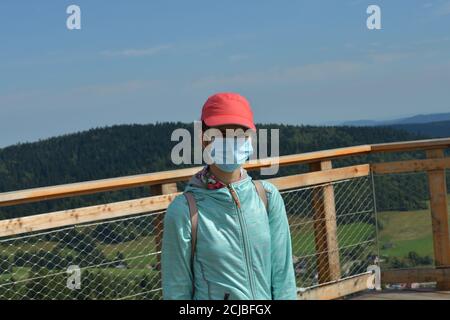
(355, 227)
(118, 258)
(404, 219)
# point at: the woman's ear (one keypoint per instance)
(203, 140)
(204, 144)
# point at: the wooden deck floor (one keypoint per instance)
(403, 295)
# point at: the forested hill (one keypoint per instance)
(133, 149)
(439, 129)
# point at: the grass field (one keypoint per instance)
(348, 235)
(405, 231)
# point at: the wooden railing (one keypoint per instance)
(164, 189)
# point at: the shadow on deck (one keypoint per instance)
(408, 294)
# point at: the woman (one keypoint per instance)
(236, 248)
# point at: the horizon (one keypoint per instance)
(340, 124)
(305, 63)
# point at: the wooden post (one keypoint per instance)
(160, 189)
(325, 228)
(439, 216)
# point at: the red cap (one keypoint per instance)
(227, 108)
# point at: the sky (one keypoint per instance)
(297, 62)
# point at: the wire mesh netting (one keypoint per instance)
(354, 225)
(118, 259)
(114, 259)
(404, 220)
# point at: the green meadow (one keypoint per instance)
(406, 231)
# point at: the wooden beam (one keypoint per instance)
(325, 228)
(308, 157)
(338, 289)
(439, 216)
(91, 187)
(410, 166)
(419, 275)
(82, 188)
(161, 189)
(84, 215)
(319, 177)
(411, 145)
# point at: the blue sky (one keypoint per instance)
(145, 61)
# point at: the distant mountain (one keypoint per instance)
(420, 118)
(440, 129)
(361, 123)
(426, 118)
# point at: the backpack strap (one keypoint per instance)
(261, 192)
(194, 223)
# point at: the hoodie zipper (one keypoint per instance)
(244, 235)
(234, 195)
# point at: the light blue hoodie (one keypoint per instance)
(242, 250)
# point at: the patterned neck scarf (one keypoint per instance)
(209, 179)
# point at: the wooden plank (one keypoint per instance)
(124, 208)
(319, 177)
(159, 189)
(411, 145)
(410, 166)
(338, 289)
(84, 215)
(82, 188)
(439, 216)
(325, 228)
(308, 157)
(420, 275)
(90, 187)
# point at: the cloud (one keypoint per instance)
(389, 56)
(237, 58)
(130, 53)
(356, 2)
(305, 73)
(23, 99)
(444, 9)
(117, 88)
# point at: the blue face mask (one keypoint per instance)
(229, 154)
